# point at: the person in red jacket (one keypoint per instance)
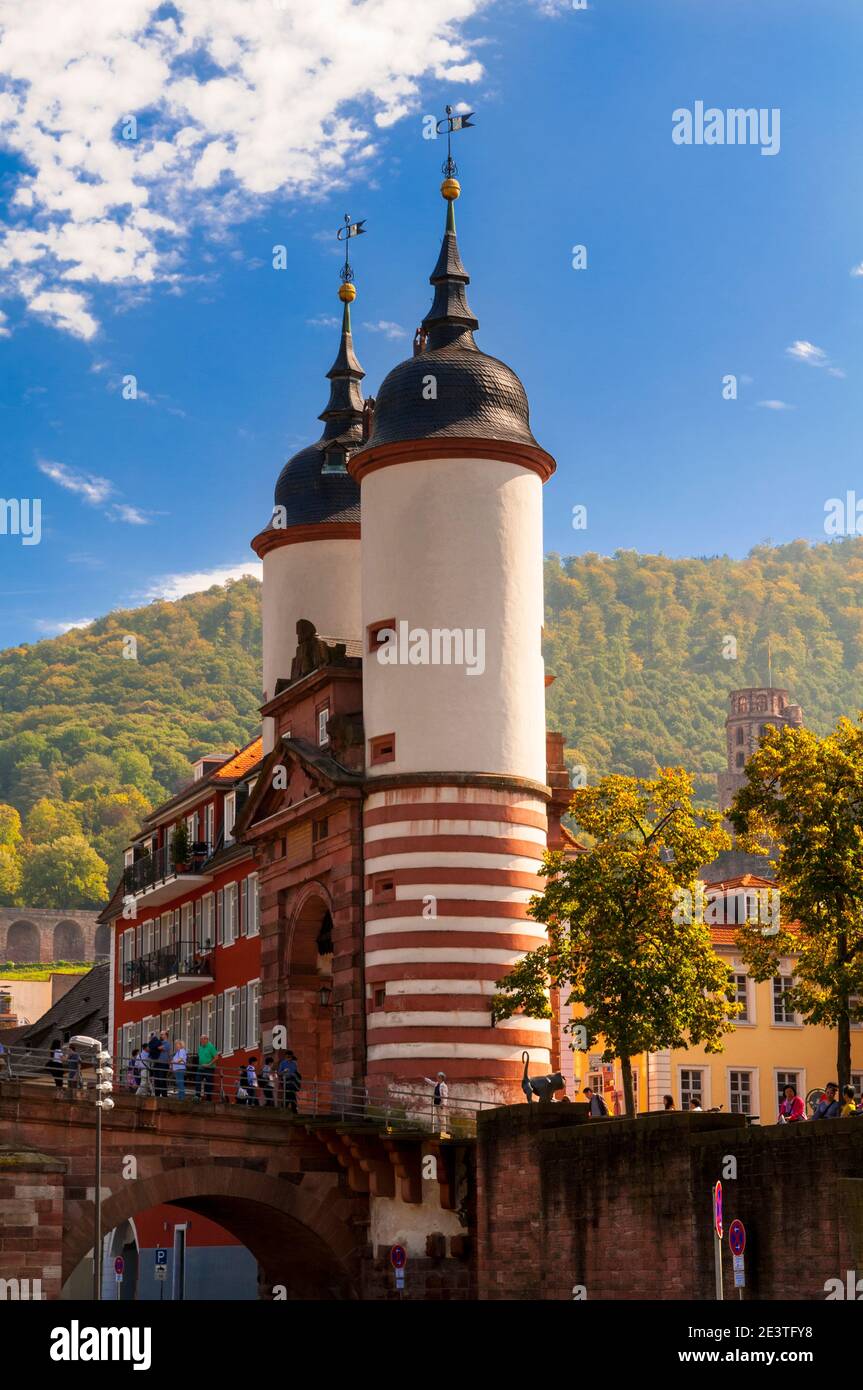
(791, 1109)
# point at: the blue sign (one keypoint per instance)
(737, 1237)
(161, 1255)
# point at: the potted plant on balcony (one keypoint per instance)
(180, 849)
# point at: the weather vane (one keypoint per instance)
(344, 234)
(449, 124)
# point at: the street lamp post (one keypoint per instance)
(104, 1082)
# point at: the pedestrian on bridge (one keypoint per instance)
(55, 1064)
(289, 1073)
(206, 1069)
(178, 1067)
(440, 1104)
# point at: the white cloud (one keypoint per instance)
(324, 321)
(858, 269)
(231, 103)
(174, 586)
(4, 331)
(93, 489)
(389, 330)
(807, 352)
(121, 511)
(813, 356)
(52, 628)
(775, 405)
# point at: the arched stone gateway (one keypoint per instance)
(68, 941)
(302, 1235)
(309, 971)
(22, 943)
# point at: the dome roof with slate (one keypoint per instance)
(475, 395)
(314, 485)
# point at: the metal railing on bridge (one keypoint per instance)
(391, 1108)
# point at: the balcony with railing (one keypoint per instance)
(160, 878)
(168, 970)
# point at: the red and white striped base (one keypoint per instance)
(450, 872)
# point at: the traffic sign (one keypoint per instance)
(398, 1257)
(737, 1237)
(161, 1255)
(119, 1266)
(161, 1271)
(400, 1278)
(740, 1279)
(717, 1209)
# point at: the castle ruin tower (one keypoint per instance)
(750, 712)
(310, 549)
(453, 696)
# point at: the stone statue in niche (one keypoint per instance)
(313, 652)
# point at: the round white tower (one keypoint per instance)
(453, 699)
(310, 548)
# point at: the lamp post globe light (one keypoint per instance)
(104, 1085)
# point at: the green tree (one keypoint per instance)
(66, 873)
(620, 937)
(804, 798)
(10, 826)
(48, 820)
(10, 875)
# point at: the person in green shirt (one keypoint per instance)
(206, 1072)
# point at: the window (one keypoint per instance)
(691, 1086)
(231, 1011)
(253, 906)
(375, 631)
(192, 827)
(208, 1018)
(198, 909)
(383, 888)
(253, 1014)
(209, 825)
(740, 1092)
(740, 760)
(323, 717)
(231, 925)
(380, 997)
(739, 994)
(220, 916)
(786, 1078)
(186, 931)
(782, 1012)
(857, 1082)
(230, 816)
(382, 749)
(739, 734)
(209, 921)
(320, 830)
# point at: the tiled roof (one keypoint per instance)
(242, 762)
(742, 881)
(80, 1010)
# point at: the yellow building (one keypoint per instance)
(769, 1047)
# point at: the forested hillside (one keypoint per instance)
(90, 739)
(637, 644)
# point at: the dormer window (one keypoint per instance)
(323, 719)
(335, 461)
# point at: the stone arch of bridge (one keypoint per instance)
(303, 1240)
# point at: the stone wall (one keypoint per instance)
(622, 1208)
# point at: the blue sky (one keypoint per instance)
(703, 261)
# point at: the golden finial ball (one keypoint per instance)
(347, 293)
(450, 189)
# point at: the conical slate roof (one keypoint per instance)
(449, 387)
(314, 485)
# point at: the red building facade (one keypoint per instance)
(186, 923)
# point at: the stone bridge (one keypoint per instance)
(308, 1198)
(32, 934)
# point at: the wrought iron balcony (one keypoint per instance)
(161, 878)
(168, 970)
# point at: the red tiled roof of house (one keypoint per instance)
(242, 762)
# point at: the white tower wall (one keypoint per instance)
(315, 579)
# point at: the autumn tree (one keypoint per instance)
(10, 856)
(66, 873)
(803, 801)
(645, 974)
